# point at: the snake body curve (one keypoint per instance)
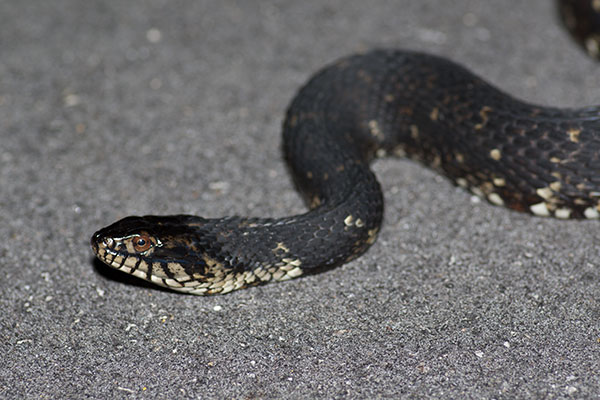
(541, 160)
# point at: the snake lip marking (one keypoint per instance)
(541, 160)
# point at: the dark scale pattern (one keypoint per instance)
(529, 158)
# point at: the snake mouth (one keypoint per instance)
(102, 245)
(118, 253)
(98, 242)
(115, 254)
(107, 251)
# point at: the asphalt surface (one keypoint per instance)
(113, 108)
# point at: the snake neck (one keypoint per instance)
(208, 256)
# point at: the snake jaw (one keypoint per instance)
(164, 251)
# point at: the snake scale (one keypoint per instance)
(529, 158)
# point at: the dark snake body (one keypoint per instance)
(529, 158)
(582, 18)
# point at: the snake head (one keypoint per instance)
(166, 250)
(131, 236)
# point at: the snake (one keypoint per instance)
(582, 19)
(383, 102)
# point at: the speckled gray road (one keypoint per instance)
(112, 108)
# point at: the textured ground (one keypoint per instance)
(111, 108)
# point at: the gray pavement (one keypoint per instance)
(112, 108)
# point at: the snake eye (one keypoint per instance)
(141, 243)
